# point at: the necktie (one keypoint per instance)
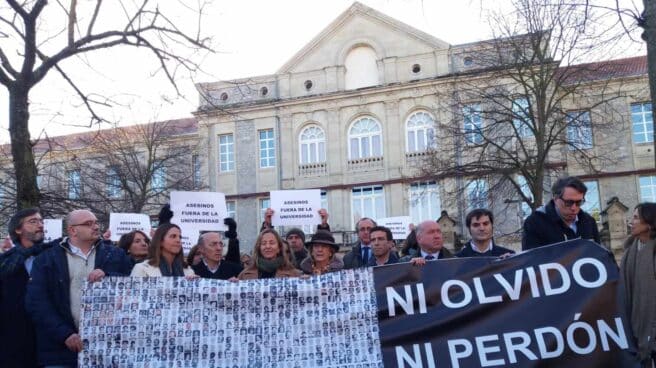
(429, 257)
(365, 255)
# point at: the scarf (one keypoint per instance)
(269, 266)
(176, 268)
(639, 274)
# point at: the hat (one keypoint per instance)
(323, 237)
(296, 231)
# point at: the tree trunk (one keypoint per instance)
(649, 35)
(27, 191)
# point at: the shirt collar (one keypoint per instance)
(212, 270)
(487, 249)
(424, 254)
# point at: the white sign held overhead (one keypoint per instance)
(123, 223)
(296, 207)
(52, 229)
(399, 226)
(199, 211)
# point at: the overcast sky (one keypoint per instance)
(251, 37)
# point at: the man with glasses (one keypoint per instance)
(55, 288)
(562, 218)
(361, 250)
(17, 336)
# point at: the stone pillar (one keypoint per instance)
(615, 230)
(448, 226)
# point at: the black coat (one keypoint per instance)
(544, 226)
(226, 270)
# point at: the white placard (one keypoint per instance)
(123, 223)
(399, 226)
(189, 238)
(199, 211)
(52, 229)
(296, 207)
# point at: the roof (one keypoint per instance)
(175, 127)
(608, 69)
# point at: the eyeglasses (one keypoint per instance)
(570, 202)
(90, 223)
(35, 221)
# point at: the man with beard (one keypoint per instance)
(54, 292)
(17, 339)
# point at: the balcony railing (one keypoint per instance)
(313, 169)
(366, 164)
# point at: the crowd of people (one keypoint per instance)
(41, 283)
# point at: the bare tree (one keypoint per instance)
(129, 169)
(33, 46)
(524, 108)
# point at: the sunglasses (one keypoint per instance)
(570, 202)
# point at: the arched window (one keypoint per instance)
(361, 68)
(365, 139)
(420, 132)
(312, 141)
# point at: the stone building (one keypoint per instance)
(354, 111)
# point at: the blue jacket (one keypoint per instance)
(48, 297)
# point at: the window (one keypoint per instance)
(476, 192)
(312, 145)
(525, 209)
(579, 130)
(158, 183)
(424, 201)
(226, 153)
(592, 201)
(231, 207)
(267, 149)
(648, 189)
(643, 123)
(522, 117)
(420, 132)
(264, 204)
(473, 123)
(365, 139)
(195, 164)
(74, 184)
(39, 182)
(113, 183)
(368, 202)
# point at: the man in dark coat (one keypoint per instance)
(17, 337)
(54, 291)
(212, 265)
(562, 218)
(361, 250)
(431, 244)
(480, 223)
(382, 246)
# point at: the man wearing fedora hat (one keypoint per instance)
(321, 259)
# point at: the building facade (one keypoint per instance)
(356, 110)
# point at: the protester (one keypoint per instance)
(164, 255)
(245, 260)
(382, 247)
(361, 250)
(212, 265)
(296, 239)
(58, 275)
(17, 335)
(194, 256)
(638, 277)
(269, 259)
(135, 244)
(431, 244)
(480, 223)
(321, 259)
(562, 218)
(410, 243)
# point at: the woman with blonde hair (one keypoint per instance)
(270, 260)
(165, 256)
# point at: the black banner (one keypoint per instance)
(554, 306)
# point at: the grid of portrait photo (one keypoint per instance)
(322, 321)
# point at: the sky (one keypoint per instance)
(250, 37)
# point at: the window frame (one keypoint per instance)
(267, 148)
(583, 129)
(369, 136)
(227, 156)
(377, 192)
(305, 145)
(645, 110)
(425, 129)
(417, 192)
(472, 118)
(74, 184)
